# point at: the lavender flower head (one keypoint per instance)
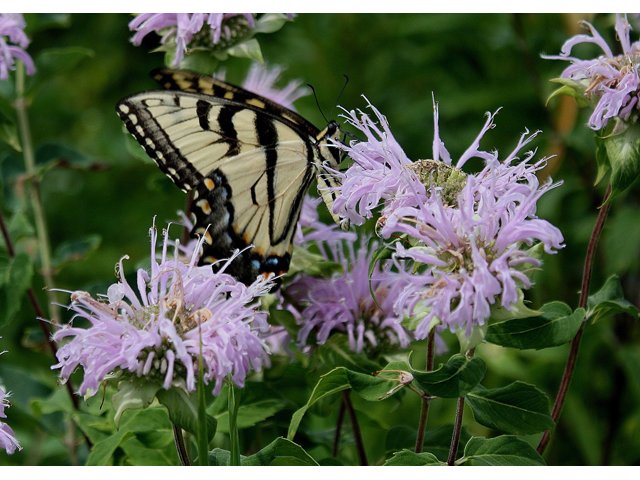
(469, 236)
(343, 302)
(610, 81)
(13, 42)
(180, 312)
(182, 31)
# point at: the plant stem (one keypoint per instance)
(424, 409)
(455, 437)
(457, 425)
(582, 303)
(357, 434)
(180, 446)
(36, 202)
(33, 299)
(234, 459)
(339, 421)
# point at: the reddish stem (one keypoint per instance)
(424, 410)
(582, 303)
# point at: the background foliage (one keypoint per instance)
(102, 191)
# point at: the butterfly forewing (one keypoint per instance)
(249, 167)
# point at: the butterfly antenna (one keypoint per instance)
(317, 102)
(344, 87)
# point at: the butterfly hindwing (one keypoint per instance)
(248, 168)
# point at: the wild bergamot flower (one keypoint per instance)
(469, 236)
(609, 82)
(179, 314)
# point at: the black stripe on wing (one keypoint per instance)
(146, 130)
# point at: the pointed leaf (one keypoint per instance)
(610, 301)
(132, 394)
(248, 49)
(73, 250)
(369, 387)
(518, 408)
(454, 379)
(251, 414)
(280, 452)
(15, 280)
(506, 450)
(556, 326)
(183, 412)
(412, 459)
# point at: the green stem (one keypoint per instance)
(569, 367)
(34, 192)
(203, 434)
(426, 399)
(234, 403)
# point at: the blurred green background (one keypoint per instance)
(106, 189)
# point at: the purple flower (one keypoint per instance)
(343, 302)
(181, 30)
(13, 42)
(311, 230)
(468, 236)
(262, 80)
(8, 439)
(609, 81)
(179, 313)
(381, 172)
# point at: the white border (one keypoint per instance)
(327, 6)
(310, 473)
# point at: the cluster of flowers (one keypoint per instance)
(610, 82)
(181, 33)
(180, 314)
(469, 237)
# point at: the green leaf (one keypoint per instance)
(270, 22)
(518, 408)
(412, 459)
(102, 452)
(280, 452)
(9, 135)
(248, 49)
(201, 61)
(219, 457)
(571, 88)
(610, 301)
(140, 453)
(183, 412)
(251, 414)
(623, 151)
(73, 250)
(369, 387)
(15, 280)
(453, 379)
(132, 393)
(556, 326)
(505, 450)
(234, 438)
(148, 420)
(311, 263)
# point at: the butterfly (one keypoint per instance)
(247, 160)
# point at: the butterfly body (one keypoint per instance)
(247, 161)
